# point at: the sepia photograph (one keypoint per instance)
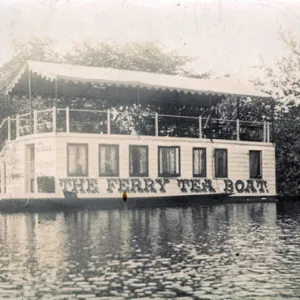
(149, 149)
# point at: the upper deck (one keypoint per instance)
(60, 81)
(108, 122)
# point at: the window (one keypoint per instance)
(199, 162)
(255, 164)
(169, 161)
(108, 160)
(221, 163)
(77, 160)
(138, 160)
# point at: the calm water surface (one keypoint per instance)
(238, 251)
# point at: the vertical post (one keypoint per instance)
(139, 112)
(156, 124)
(210, 114)
(54, 125)
(108, 121)
(268, 132)
(35, 131)
(17, 125)
(237, 129)
(238, 119)
(54, 119)
(30, 98)
(273, 121)
(8, 104)
(264, 131)
(8, 128)
(56, 90)
(67, 119)
(200, 127)
(238, 108)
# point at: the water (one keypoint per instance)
(236, 251)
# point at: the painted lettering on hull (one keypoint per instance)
(161, 185)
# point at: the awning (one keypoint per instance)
(76, 74)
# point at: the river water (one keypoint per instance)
(230, 251)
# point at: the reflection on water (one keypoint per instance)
(236, 251)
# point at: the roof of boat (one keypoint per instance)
(114, 77)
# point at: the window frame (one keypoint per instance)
(179, 162)
(215, 164)
(118, 160)
(205, 170)
(86, 145)
(260, 158)
(147, 161)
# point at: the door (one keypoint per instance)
(30, 168)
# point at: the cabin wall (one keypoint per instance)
(12, 169)
(238, 163)
(51, 163)
(15, 183)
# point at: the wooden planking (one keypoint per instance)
(54, 162)
(238, 157)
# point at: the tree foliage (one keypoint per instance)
(282, 81)
(142, 56)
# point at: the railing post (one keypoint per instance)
(67, 119)
(17, 125)
(35, 131)
(268, 132)
(237, 129)
(54, 119)
(8, 128)
(108, 121)
(200, 127)
(156, 124)
(264, 131)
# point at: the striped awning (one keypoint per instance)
(123, 78)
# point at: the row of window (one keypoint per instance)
(168, 161)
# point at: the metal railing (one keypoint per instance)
(113, 122)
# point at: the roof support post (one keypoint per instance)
(273, 120)
(8, 128)
(30, 99)
(210, 114)
(237, 129)
(264, 131)
(35, 131)
(54, 125)
(8, 105)
(108, 121)
(54, 120)
(238, 118)
(139, 113)
(156, 124)
(56, 91)
(17, 125)
(200, 127)
(238, 108)
(67, 119)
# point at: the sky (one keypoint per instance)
(226, 36)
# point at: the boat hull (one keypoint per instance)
(21, 205)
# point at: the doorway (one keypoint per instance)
(30, 168)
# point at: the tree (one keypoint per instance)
(34, 49)
(282, 81)
(142, 56)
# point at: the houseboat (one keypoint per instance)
(80, 136)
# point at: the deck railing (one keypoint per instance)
(112, 122)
